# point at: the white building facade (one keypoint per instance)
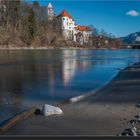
(68, 27)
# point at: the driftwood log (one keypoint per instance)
(16, 119)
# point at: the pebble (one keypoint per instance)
(106, 105)
(129, 132)
(138, 105)
(133, 121)
(124, 119)
(137, 120)
(38, 111)
(137, 116)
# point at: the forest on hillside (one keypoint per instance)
(25, 25)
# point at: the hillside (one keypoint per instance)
(131, 38)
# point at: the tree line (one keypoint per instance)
(24, 24)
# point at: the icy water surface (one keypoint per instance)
(49, 76)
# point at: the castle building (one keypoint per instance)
(68, 27)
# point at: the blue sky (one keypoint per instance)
(117, 17)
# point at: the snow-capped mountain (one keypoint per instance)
(131, 38)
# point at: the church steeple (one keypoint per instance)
(50, 12)
(50, 5)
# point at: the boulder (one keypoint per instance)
(51, 110)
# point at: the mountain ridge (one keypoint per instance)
(131, 38)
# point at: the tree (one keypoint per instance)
(36, 9)
(95, 32)
(31, 25)
(28, 24)
(103, 33)
(11, 10)
(15, 14)
(36, 5)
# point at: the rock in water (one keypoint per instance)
(51, 110)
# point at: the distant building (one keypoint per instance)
(68, 27)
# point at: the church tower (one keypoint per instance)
(50, 12)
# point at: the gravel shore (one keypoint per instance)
(106, 113)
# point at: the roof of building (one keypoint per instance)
(83, 28)
(50, 5)
(64, 13)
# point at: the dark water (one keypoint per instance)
(50, 76)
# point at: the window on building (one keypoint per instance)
(63, 18)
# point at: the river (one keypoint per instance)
(29, 77)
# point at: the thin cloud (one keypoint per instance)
(133, 13)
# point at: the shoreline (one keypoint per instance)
(54, 48)
(107, 112)
(91, 93)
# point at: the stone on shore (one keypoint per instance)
(51, 110)
(138, 105)
(129, 132)
(134, 131)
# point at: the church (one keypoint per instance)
(68, 27)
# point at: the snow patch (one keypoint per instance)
(138, 38)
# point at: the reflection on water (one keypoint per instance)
(50, 76)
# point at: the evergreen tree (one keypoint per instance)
(28, 24)
(16, 12)
(36, 5)
(31, 29)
